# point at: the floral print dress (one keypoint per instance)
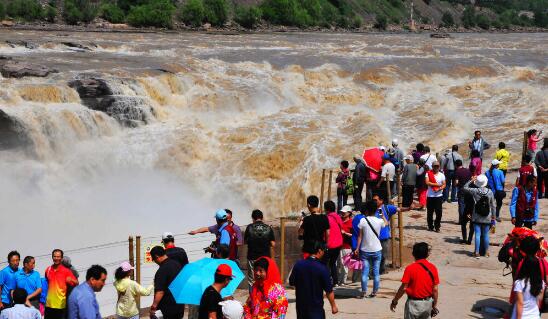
(273, 305)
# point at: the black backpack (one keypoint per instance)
(482, 207)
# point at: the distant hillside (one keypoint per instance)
(306, 14)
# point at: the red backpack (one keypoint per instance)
(233, 246)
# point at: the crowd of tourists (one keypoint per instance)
(342, 242)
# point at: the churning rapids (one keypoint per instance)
(142, 133)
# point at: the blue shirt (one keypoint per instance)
(30, 282)
(355, 230)
(82, 303)
(310, 277)
(44, 293)
(514, 202)
(7, 282)
(20, 312)
(495, 179)
(388, 211)
(225, 236)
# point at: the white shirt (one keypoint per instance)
(429, 159)
(440, 178)
(530, 302)
(370, 242)
(389, 169)
(20, 312)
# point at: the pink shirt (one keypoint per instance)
(476, 161)
(532, 142)
(335, 239)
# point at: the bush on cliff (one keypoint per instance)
(156, 13)
(216, 12)
(112, 13)
(79, 11)
(50, 13)
(248, 16)
(2, 11)
(193, 13)
(29, 10)
(447, 20)
(285, 12)
(381, 22)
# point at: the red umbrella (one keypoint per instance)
(373, 159)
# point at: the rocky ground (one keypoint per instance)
(469, 288)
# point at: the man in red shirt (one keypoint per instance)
(420, 282)
(59, 278)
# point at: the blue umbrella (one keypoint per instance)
(190, 283)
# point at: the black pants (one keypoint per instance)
(407, 195)
(434, 204)
(342, 198)
(385, 244)
(521, 223)
(52, 313)
(332, 256)
(371, 189)
(358, 195)
(542, 179)
(498, 199)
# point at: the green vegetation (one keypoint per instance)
(76, 11)
(2, 11)
(155, 13)
(50, 13)
(381, 22)
(28, 10)
(248, 16)
(216, 12)
(447, 20)
(112, 13)
(193, 13)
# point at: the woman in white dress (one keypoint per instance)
(528, 289)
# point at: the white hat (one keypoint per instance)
(481, 181)
(167, 235)
(394, 142)
(346, 209)
(232, 309)
(408, 157)
(382, 148)
(495, 162)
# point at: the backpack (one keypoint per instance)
(349, 187)
(259, 231)
(481, 207)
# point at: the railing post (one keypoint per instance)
(329, 185)
(400, 220)
(525, 144)
(138, 266)
(131, 255)
(321, 190)
(392, 231)
(282, 249)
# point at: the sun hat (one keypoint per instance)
(394, 142)
(481, 181)
(126, 266)
(232, 309)
(346, 209)
(408, 157)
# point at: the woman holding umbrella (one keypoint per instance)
(267, 299)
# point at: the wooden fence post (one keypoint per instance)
(392, 231)
(138, 266)
(329, 185)
(131, 255)
(282, 249)
(525, 144)
(400, 220)
(321, 190)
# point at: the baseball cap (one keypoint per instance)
(126, 266)
(224, 270)
(495, 162)
(167, 235)
(346, 209)
(220, 214)
(382, 148)
(409, 157)
(232, 309)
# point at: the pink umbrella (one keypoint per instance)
(352, 263)
(373, 159)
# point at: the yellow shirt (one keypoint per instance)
(504, 157)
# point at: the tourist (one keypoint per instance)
(82, 303)
(478, 144)
(528, 289)
(388, 173)
(259, 238)
(67, 262)
(129, 292)
(409, 180)
(342, 185)
(435, 180)
(19, 310)
(310, 277)
(214, 229)
(314, 227)
(335, 239)
(483, 215)
(495, 179)
(420, 282)
(176, 253)
(8, 279)
(417, 153)
(428, 158)
(267, 299)
(525, 170)
(209, 303)
(29, 279)
(503, 156)
(369, 247)
(475, 163)
(358, 180)
(225, 234)
(43, 295)
(346, 212)
(398, 153)
(449, 167)
(541, 161)
(462, 176)
(524, 204)
(421, 186)
(166, 273)
(384, 211)
(59, 279)
(533, 137)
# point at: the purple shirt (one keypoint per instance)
(462, 175)
(240, 240)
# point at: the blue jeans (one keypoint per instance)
(481, 232)
(371, 260)
(449, 179)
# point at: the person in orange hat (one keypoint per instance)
(209, 304)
